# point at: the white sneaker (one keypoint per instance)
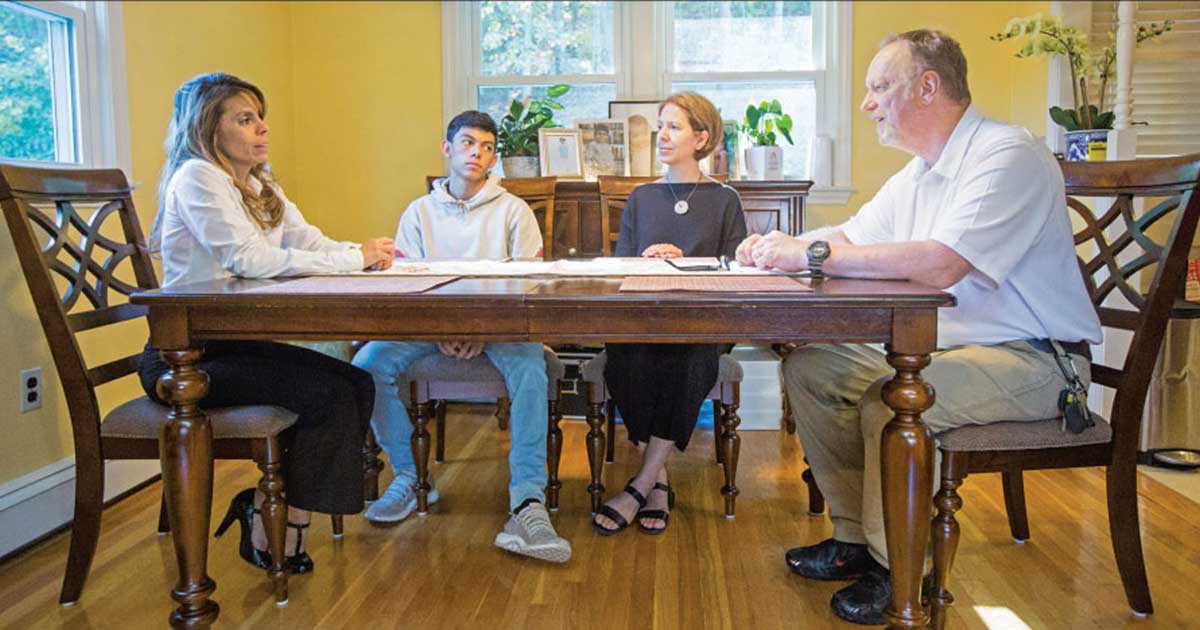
(398, 501)
(530, 533)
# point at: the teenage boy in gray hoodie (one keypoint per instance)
(468, 215)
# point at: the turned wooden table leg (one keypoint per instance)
(907, 471)
(945, 535)
(186, 452)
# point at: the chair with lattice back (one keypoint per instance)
(1118, 250)
(67, 254)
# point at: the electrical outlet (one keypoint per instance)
(31, 389)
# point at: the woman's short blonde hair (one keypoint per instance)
(702, 115)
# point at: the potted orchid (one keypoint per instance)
(1085, 123)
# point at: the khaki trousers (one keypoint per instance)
(835, 393)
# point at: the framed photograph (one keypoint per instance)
(724, 158)
(605, 147)
(560, 153)
(642, 120)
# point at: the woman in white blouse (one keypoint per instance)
(220, 215)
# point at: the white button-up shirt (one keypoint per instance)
(207, 234)
(996, 197)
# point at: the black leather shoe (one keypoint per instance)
(864, 601)
(830, 560)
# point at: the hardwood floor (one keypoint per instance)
(442, 571)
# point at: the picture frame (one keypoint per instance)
(605, 143)
(642, 117)
(725, 157)
(560, 152)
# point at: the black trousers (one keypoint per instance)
(659, 387)
(323, 460)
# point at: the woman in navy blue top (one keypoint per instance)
(685, 213)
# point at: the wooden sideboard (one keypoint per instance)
(769, 205)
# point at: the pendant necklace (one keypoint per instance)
(681, 205)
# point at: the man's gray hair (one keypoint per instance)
(937, 51)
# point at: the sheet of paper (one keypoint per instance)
(715, 284)
(377, 285)
(613, 267)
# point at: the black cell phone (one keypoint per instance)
(693, 267)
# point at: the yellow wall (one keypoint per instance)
(354, 97)
(368, 99)
(1002, 86)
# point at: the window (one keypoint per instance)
(1165, 91)
(62, 84)
(645, 50)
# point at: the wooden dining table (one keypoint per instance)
(902, 315)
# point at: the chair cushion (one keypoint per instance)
(1020, 436)
(728, 369)
(143, 418)
(439, 367)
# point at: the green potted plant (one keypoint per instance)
(764, 159)
(517, 143)
(1084, 123)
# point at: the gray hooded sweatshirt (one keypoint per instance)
(494, 225)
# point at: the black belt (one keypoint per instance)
(1077, 348)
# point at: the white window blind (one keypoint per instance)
(1166, 87)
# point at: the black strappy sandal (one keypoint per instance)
(615, 516)
(661, 515)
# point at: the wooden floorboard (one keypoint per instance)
(441, 571)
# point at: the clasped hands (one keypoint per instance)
(378, 253)
(464, 350)
(775, 250)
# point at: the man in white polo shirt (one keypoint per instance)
(980, 212)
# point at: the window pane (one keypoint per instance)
(798, 99)
(540, 38)
(743, 36)
(36, 112)
(587, 100)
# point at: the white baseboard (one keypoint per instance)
(43, 500)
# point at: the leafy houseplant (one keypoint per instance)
(764, 160)
(517, 142)
(1049, 36)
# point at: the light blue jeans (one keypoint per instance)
(523, 366)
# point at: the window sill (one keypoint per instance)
(830, 196)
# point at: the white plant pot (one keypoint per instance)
(523, 166)
(764, 163)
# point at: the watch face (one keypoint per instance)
(818, 250)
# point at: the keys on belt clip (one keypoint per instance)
(1072, 401)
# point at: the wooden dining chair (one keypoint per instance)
(1116, 247)
(437, 378)
(82, 251)
(538, 193)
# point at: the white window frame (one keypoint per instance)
(643, 72)
(101, 106)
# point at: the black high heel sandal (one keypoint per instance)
(659, 515)
(242, 510)
(614, 515)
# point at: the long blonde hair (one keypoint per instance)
(192, 134)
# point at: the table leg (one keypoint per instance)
(186, 452)
(907, 471)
